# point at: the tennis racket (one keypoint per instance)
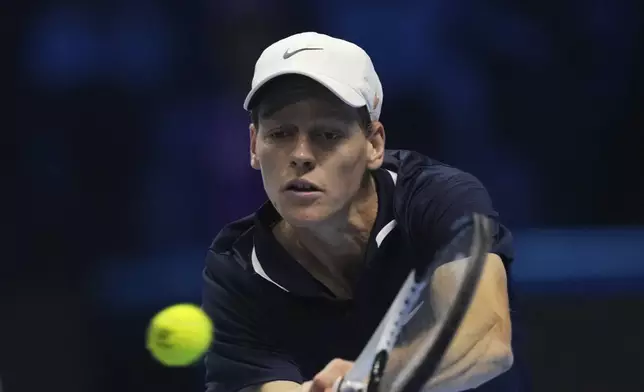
(410, 341)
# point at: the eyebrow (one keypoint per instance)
(333, 113)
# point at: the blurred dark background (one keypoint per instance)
(131, 151)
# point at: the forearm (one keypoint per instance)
(481, 347)
(468, 364)
(274, 386)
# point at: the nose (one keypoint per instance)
(302, 156)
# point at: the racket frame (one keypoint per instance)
(366, 375)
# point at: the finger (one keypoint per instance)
(306, 387)
(328, 376)
(334, 388)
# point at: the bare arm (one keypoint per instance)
(274, 386)
(481, 349)
(321, 382)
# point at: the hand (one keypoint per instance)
(324, 380)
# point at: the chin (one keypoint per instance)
(299, 216)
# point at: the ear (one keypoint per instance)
(254, 161)
(376, 147)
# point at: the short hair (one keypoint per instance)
(286, 89)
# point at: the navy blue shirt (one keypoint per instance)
(274, 321)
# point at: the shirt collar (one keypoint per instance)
(273, 263)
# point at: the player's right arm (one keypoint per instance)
(244, 355)
(321, 382)
(275, 386)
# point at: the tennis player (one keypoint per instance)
(296, 289)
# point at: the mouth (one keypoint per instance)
(301, 186)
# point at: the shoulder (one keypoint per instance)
(231, 233)
(431, 196)
(231, 249)
(420, 179)
(228, 274)
(411, 166)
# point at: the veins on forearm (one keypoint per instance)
(469, 368)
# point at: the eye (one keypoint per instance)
(279, 133)
(329, 135)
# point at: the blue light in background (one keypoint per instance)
(71, 45)
(550, 261)
(62, 48)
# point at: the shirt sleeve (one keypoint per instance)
(433, 198)
(242, 353)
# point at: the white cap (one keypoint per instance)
(341, 66)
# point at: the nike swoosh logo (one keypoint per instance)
(288, 54)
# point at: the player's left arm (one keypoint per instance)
(481, 349)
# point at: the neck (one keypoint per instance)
(335, 248)
(346, 233)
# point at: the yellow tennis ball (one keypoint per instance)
(179, 335)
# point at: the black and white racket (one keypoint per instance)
(408, 345)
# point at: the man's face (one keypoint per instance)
(313, 155)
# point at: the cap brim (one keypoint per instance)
(341, 90)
